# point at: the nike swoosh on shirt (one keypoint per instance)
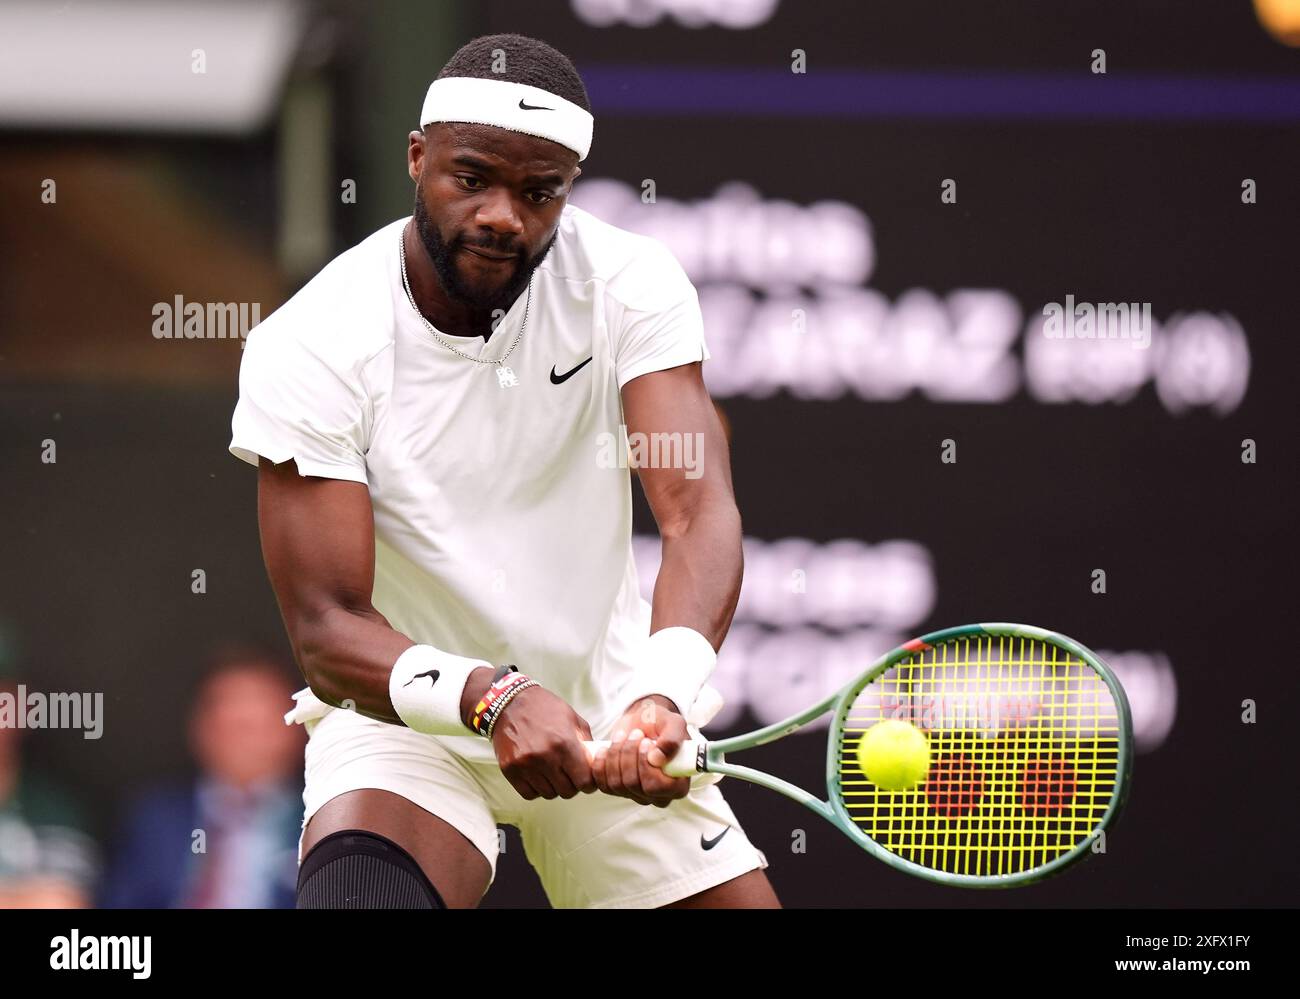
(432, 675)
(557, 379)
(709, 844)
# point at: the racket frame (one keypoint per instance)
(712, 755)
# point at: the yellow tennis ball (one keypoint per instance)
(894, 755)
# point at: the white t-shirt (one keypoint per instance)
(500, 533)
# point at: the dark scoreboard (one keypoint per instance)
(888, 209)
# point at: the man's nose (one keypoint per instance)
(497, 212)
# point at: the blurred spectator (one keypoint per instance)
(47, 858)
(228, 838)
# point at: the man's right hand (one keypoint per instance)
(538, 741)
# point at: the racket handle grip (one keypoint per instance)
(681, 765)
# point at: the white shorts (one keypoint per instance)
(594, 851)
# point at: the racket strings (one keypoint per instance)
(1024, 753)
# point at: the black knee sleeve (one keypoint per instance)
(355, 869)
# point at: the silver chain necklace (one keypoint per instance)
(505, 375)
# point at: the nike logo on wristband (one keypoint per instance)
(432, 675)
(709, 844)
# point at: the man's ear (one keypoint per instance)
(417, 149)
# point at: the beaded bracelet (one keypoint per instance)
(506, 679)
(493, 713)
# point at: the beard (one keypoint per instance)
(443, 255)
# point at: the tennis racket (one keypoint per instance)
(1030, 753)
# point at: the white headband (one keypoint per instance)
(515, 106)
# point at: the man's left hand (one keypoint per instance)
(643, 740)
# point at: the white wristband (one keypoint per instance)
(675, 662)
(425, 687)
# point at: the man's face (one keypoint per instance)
(487, 204)
(237, 729)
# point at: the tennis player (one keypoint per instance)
(451, 547)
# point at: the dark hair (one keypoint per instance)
(529, 61)
(240, 655)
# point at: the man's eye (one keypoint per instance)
(467, 181)
(538, 197)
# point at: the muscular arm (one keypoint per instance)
(318, 540)
(699, 576)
